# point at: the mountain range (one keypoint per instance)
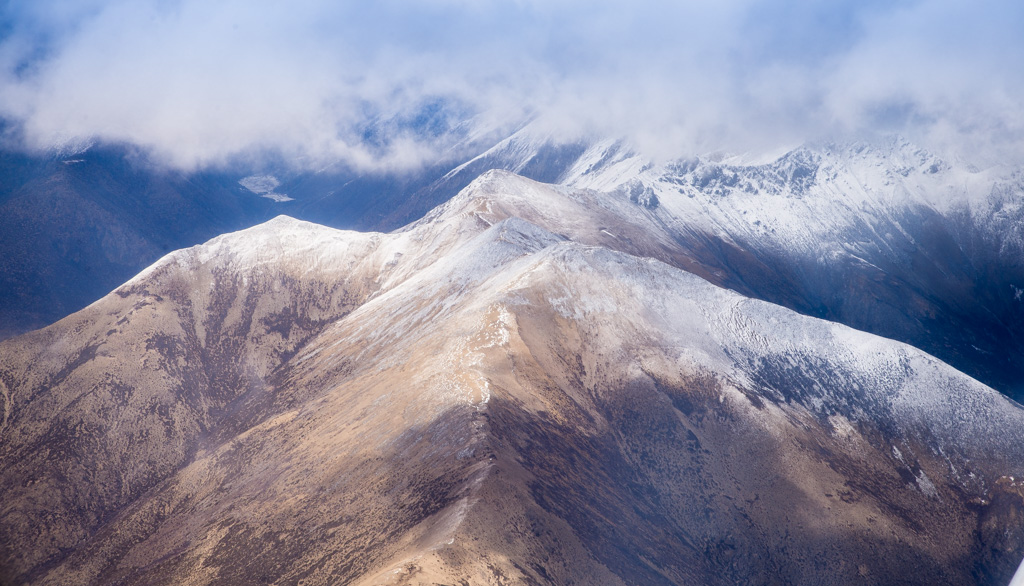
(885, 237)
(532, 384)
(576, 364)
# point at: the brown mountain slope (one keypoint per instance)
(478, 401)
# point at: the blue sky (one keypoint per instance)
(198, 82)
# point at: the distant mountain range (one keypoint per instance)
(530, 385)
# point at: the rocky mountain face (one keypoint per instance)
(523, 387)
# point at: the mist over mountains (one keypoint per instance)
(446, 292)
(197, 84)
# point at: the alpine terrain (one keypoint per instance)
(883, 236)
(623, 379)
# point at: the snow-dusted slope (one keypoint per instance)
(506, 391)
(819, 197)
(887, 239)
(883, 236)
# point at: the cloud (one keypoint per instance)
(200, 83)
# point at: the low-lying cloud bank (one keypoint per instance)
(392, 84)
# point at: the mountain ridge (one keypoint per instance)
(488, 398)
(883, 236)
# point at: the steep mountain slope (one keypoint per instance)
(485, 397)
(73, 227)
(887, 238)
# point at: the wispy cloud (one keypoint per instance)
(201, 82)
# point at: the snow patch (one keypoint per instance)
(1018, 576)
(925, 485)
(264, 186)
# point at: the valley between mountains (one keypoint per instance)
(532, 384)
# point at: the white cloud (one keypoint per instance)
(200, 82)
